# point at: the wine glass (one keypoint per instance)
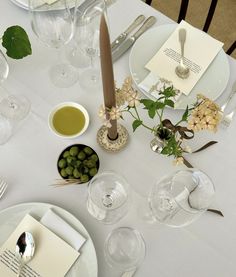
(4, 67)
(181, 197)
(53, 25)
(124, 249)
(12, 108)
(87, 50)
(108, 197)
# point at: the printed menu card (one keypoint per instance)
(199, 51)
(52, 256)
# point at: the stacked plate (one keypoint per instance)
(212, 83)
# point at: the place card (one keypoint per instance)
(52, 257)
(200, 50)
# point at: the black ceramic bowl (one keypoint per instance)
(78, 161)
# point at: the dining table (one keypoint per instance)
(28, 161)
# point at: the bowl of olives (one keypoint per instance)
(78, 161)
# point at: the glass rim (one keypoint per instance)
(138, 261)
(198, 211)
(127, 189)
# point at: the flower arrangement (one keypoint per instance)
(203, 115)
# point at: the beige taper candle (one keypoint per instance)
(107, 74)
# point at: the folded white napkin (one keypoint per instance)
(152, 84)
(62, 229)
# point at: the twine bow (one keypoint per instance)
(184, 132)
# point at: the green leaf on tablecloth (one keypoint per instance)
(136, 124)
(16, 42)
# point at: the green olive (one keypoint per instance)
(81, 156)
(91, 163)
(62, 163)
(86, 170)
(78, 163)
(76, 173)
(74, 151)
(84, 178)
(88, 150)
(69, 170)
(94, 157)
(63, 173)
(66, 154)
(93, 171)
(70, 159)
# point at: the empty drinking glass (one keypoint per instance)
(12, 108)
(53, 24)
(180, 198)
(124, 249)
(85, 51)
(108, 197)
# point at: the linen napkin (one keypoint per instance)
(62, 229)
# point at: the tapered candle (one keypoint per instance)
(107, 75)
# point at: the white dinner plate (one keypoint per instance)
(85, 266)
(24, 4)
(211, 84)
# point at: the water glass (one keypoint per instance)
(108, 197)
(124, 249)
(181, 197)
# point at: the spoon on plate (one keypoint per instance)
(182, 71)
(25, 247)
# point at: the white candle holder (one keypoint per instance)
(113, 145)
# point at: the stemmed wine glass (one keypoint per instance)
(86, 51)
(53, 25)
(181, 197)
(12, 108)
(108, 197)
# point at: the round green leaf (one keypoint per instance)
(16, 42)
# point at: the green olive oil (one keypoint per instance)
(68, 121)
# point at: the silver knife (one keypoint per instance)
(130, 41)
(124, 35)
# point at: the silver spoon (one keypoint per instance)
(182, 71)
(25, 247)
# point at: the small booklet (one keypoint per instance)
(199, 51)
(52, 257)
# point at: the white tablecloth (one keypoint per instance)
(207, 248)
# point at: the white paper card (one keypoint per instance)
(53, 256)
(200, 50)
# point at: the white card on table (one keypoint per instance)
(199, 51)
(52, 257)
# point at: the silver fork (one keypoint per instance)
(233, 92)
(3, 187)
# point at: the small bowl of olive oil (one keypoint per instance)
(68, 120)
